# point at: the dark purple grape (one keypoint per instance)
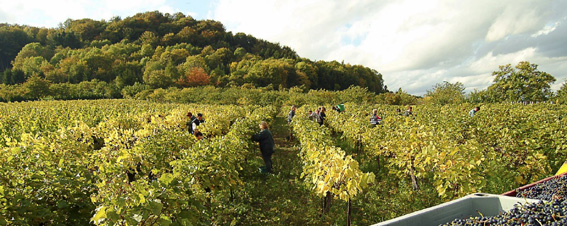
(540, 213)
(555, 188)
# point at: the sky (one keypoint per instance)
(414, 44)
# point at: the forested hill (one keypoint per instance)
(164, 50)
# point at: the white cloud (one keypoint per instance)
(517, 18)
(413, 43)
(546, 30)
(50, 13)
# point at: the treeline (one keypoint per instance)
(161, 51)
(38, 88)
(522, 83)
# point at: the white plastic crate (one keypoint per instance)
(465, 207)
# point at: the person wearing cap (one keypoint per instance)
(264, 137)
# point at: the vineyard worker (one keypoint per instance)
(199, 135)
(322, 116)
(340, 108)
(191, 116)
(291, 114)
(190, 123)
(409, 111)
(375, 119)
(198, 121)
(473, 111)
(313, 115)
(266, 145)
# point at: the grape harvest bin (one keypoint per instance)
(465, 207)
(514, 192)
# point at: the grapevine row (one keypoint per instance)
(325, 166)
(134, 167)
(460, 154)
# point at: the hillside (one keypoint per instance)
(164, 50)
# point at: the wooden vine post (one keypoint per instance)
(348, 212)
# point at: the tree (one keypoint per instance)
(31, 50)
(266, 72)
(446, 93)
(521, 83)
(192, 62)
(239, 53)
(194, 77)
(187, 35)
(562, 93)
(219, 58)
(31, 65)
(72, 69)
(128, 73)
(63, 38)
(12, 39)
(308, 70)
(176, 56)
(149, 38)
(157, 79)
(36, 87)
(99, 64)
(86, 29)
(398, 98)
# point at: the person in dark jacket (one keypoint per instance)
(198, 121)
(291, 114)
(322, 116)
(266, 145)
(190, 123)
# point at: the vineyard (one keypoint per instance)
(130, 162)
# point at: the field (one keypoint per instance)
(129, 162)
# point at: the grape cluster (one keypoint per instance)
(555, 188)
(552, 212)
(540, 213)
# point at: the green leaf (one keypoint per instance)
(112, 215)
(156, 207)
(100, 215)
(164, 220)
(62, 204)
(142, 198)
(61, 165)
(166, 178)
